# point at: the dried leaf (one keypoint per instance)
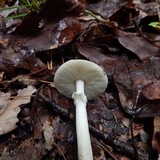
(23, 97)
(8, 118)
(48, 135)
(139, 46)
(4, 99)
(152, 91)
(156, 134)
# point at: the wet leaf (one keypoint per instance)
(105, 8)
(130, 78)
(152, 91)
(139, 46)
(19, 58)
(53, 35)
(95, 54)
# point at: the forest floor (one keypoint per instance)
(36, 121)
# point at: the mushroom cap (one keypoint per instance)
(94, 77)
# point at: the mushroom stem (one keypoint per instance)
(80, 86)
(83, 137)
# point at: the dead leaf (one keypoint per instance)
(139, 46)
(4, 99)
(144, 136)
(1, 76)
(23, 97)
(2, 3)
(48, 135)
(156, 134)
(95, 55)
(105, 8)
(8, 118)
(100, 153)
(130, 78)
(2, 24)
(152, 91)
(19, 58)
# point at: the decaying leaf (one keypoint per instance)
(4, 99)
(139, 46)
(48, 135)
(156, 134)
(2, 3)
(152, 91)
(131, 77)
(105, 8)
(19, 58)
(101, 154)
(8, 118)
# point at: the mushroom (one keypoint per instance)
(81, 80)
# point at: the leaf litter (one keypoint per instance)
(123, 121)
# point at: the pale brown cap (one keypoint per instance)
(94, 77)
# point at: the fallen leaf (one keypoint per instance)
(105, 8)
(23, 97)
(8, 118)
(48, 135)
(144, 136)
(1, 76)
(152, 91)
(14, 59)
(139, 46)
(156, 134)
(4, 99)
(95, 55)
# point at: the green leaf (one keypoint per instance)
(155, 24)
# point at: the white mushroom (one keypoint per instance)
(81, 80)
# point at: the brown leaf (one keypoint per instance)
(105, 8)
(139, 46)
(2, 24)
(152, 91)
(8, 118)
(156, 134)
(130, 78)
(156, 66)
(54, 25)
(52, 35)
(124, 84)
(53, 11)
(94, 54)
(13, 58)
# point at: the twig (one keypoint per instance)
(118, 145)
(104, 148)
(55, 108)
